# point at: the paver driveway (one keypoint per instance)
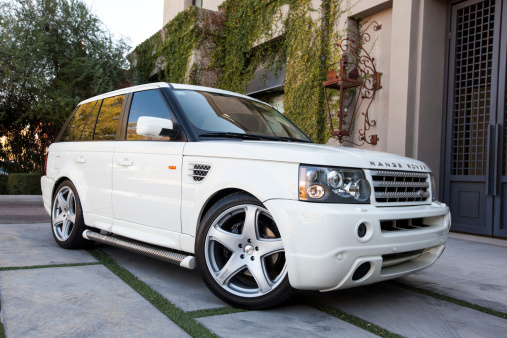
(48, 291)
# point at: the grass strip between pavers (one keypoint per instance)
(2, 332)
(178, 316)
(356, 321)
(9, 268)
(215, 312)
(460, 302)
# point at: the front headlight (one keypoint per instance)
(333, 185)
(433, 187)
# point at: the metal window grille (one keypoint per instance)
(472, 86)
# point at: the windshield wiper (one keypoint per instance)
(292, 139)
(232, 135)
(254, 137)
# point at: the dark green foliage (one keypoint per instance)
(3, 185)
(248, 23)
(171, 56)
(24, 184)
(54, 54)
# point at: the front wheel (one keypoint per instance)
(240, 254)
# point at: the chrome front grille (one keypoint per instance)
(400, 186)
(198, 172)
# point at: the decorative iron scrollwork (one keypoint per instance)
(357, 70)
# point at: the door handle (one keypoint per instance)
(125, 162)
(80, 159)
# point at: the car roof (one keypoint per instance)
(126, 91)
(166, 85)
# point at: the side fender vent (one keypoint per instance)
(198, 171)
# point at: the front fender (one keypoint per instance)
(263, 179)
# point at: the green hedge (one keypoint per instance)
(22, 184)
(3, 185)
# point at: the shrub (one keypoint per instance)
(3, 185)
(24, 184)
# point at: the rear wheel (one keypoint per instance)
(240, 254)
(67, 220)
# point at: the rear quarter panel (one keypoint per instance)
(92, 179)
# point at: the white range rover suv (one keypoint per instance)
(221, 182)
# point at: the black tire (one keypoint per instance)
(262, 251)
(67, 223)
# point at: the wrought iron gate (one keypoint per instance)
(475, 165)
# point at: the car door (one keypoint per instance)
(147, 177)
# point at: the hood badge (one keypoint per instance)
(397, 165)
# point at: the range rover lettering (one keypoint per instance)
(224, 183)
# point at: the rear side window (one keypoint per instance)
(87, 133)
(108, 118)
(77, 122)
(146, 103)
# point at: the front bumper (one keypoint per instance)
(323, 249)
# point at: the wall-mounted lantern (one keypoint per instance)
(361, 74)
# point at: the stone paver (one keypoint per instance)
(412, 314)
(81, 301)
(33, 244)
(293, 321)
(182, 287)
(470, 271)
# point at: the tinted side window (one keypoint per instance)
(87, 134)
(77, 122)
(146, 103)
(108, 118)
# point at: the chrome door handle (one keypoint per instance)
(80, 159)
(125, 162)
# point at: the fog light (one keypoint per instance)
(315, 191)
(361, 271)
(361, 230)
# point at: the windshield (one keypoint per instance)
(216, 115)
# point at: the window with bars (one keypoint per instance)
(472, 86)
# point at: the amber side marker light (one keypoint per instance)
(302, 183)
(172, 167)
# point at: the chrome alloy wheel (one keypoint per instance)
(63, 216)
(244, 251)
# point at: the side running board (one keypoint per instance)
(143, 248)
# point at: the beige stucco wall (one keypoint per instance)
(173, 7)
(211, 4)
(379, 48)
(410, 51)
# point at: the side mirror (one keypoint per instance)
(155, 127)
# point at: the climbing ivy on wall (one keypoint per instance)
(307, 46)
(246, 23)
(172, 53)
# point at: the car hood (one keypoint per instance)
(307, 153)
